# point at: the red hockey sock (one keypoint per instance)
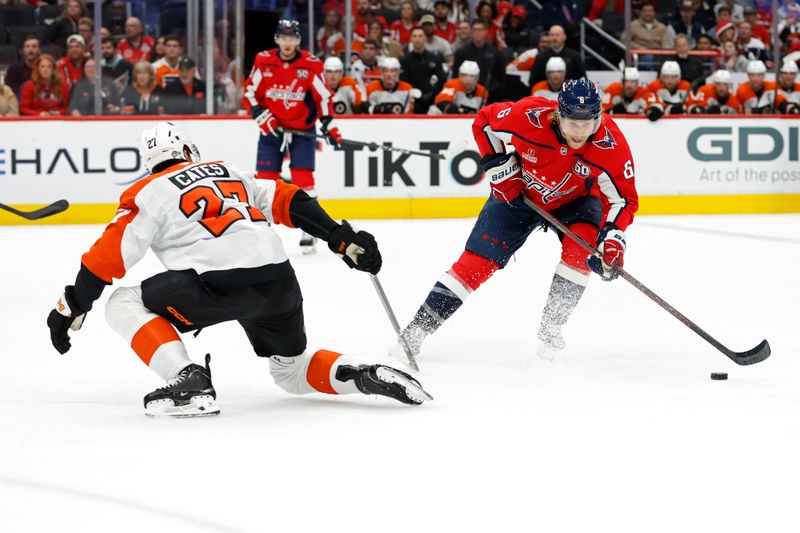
(303, 178)
(268, 175)
(572, 254)
(473, 270)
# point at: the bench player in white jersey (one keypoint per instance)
(788, 86)
(348, 96)
(211, 227)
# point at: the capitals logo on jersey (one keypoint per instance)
(607, 142)
(287, 95)
(539, 184)
(534, 116)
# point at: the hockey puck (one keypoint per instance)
(719, 376)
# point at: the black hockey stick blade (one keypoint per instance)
(751, 357)
(53, 209)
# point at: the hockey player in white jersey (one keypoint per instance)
(210, 225)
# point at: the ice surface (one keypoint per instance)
(626, 432)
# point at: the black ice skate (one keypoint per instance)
(386, 381)
(308, 244)
(190, 394)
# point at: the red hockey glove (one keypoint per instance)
(266, 121)
(611, 245)
(331, 131)
(505, 176)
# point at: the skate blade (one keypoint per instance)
(412, 389)
(548, 353)
(197, 406)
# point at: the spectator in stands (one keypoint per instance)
(348, 97)
(423, 70)
(81, 101)
(45, 94)
(557, 40)
(112, 64)
(401, 28)
(735, 9)
(167, 66)
(142, 96)
(760, 31)
(389, 95)
(518, 37)
(114, 18)
(714, 98)
(704, 14)
(67, 23)
(670, 89)
(758, 96)
(730, 59)
(647, 32)
(71, 65)
(443, 27)
(460, 11)
(462, 95)
(20, 72)
(628, 97)
(186, 94)
(555, 72)
(749, 47)
(330, 32)
(486, 56)
(686, 24)
(788, 86)
(704, 43)
(387, 47)
(135, 46)
(691, 67)
(462, 35)
(434, 43)
(363, 17)
(567, 15)
(725, 32)
(158, 50)
(367, 69)
(9, 107)
(487, 12)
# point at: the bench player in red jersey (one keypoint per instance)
(569, 159)
(286, 89)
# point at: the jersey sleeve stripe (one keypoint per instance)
(325, 95)
(282, 200)
(610, 191)
(252, 87)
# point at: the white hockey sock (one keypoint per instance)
(151, 336)
(307, 373)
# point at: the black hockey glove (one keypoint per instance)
(714, 110)
(64, 317)
(619, 109)
(357, 250)
(654, 113)
(676, 109)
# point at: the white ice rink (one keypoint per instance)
(625, 433)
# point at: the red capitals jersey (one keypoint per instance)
(554, 173)
(294, 91)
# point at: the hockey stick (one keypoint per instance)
(393, 319)
(750, 357)
(372, 146)
(52, 209)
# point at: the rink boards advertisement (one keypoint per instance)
(688, 165)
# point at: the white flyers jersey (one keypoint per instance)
(209, 217)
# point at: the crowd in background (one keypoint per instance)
(431, 57)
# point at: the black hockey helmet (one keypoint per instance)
(288, 27)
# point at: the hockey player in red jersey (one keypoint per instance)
(286, 90)
(569, 159)
(211, 227)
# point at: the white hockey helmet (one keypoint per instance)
(670, 68)
(789, 67)
(390, 63)
(163, 142)
(555, 64)
(722, 76)
(630, 74)
(333, 64)
(756, 67)
(470, 68)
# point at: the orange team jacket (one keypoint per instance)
(209, 217)
(347, 97)
(397, 101)
(678, 96)
(707, 96)
(765, 101)
(164, 71)
(522, 65)
(792, 95)
(453, 94)
(543, 89)
(555, 174)
(642, 100)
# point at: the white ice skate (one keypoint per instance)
(551, 342)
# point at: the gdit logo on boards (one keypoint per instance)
(37, 161)
(761, 143)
